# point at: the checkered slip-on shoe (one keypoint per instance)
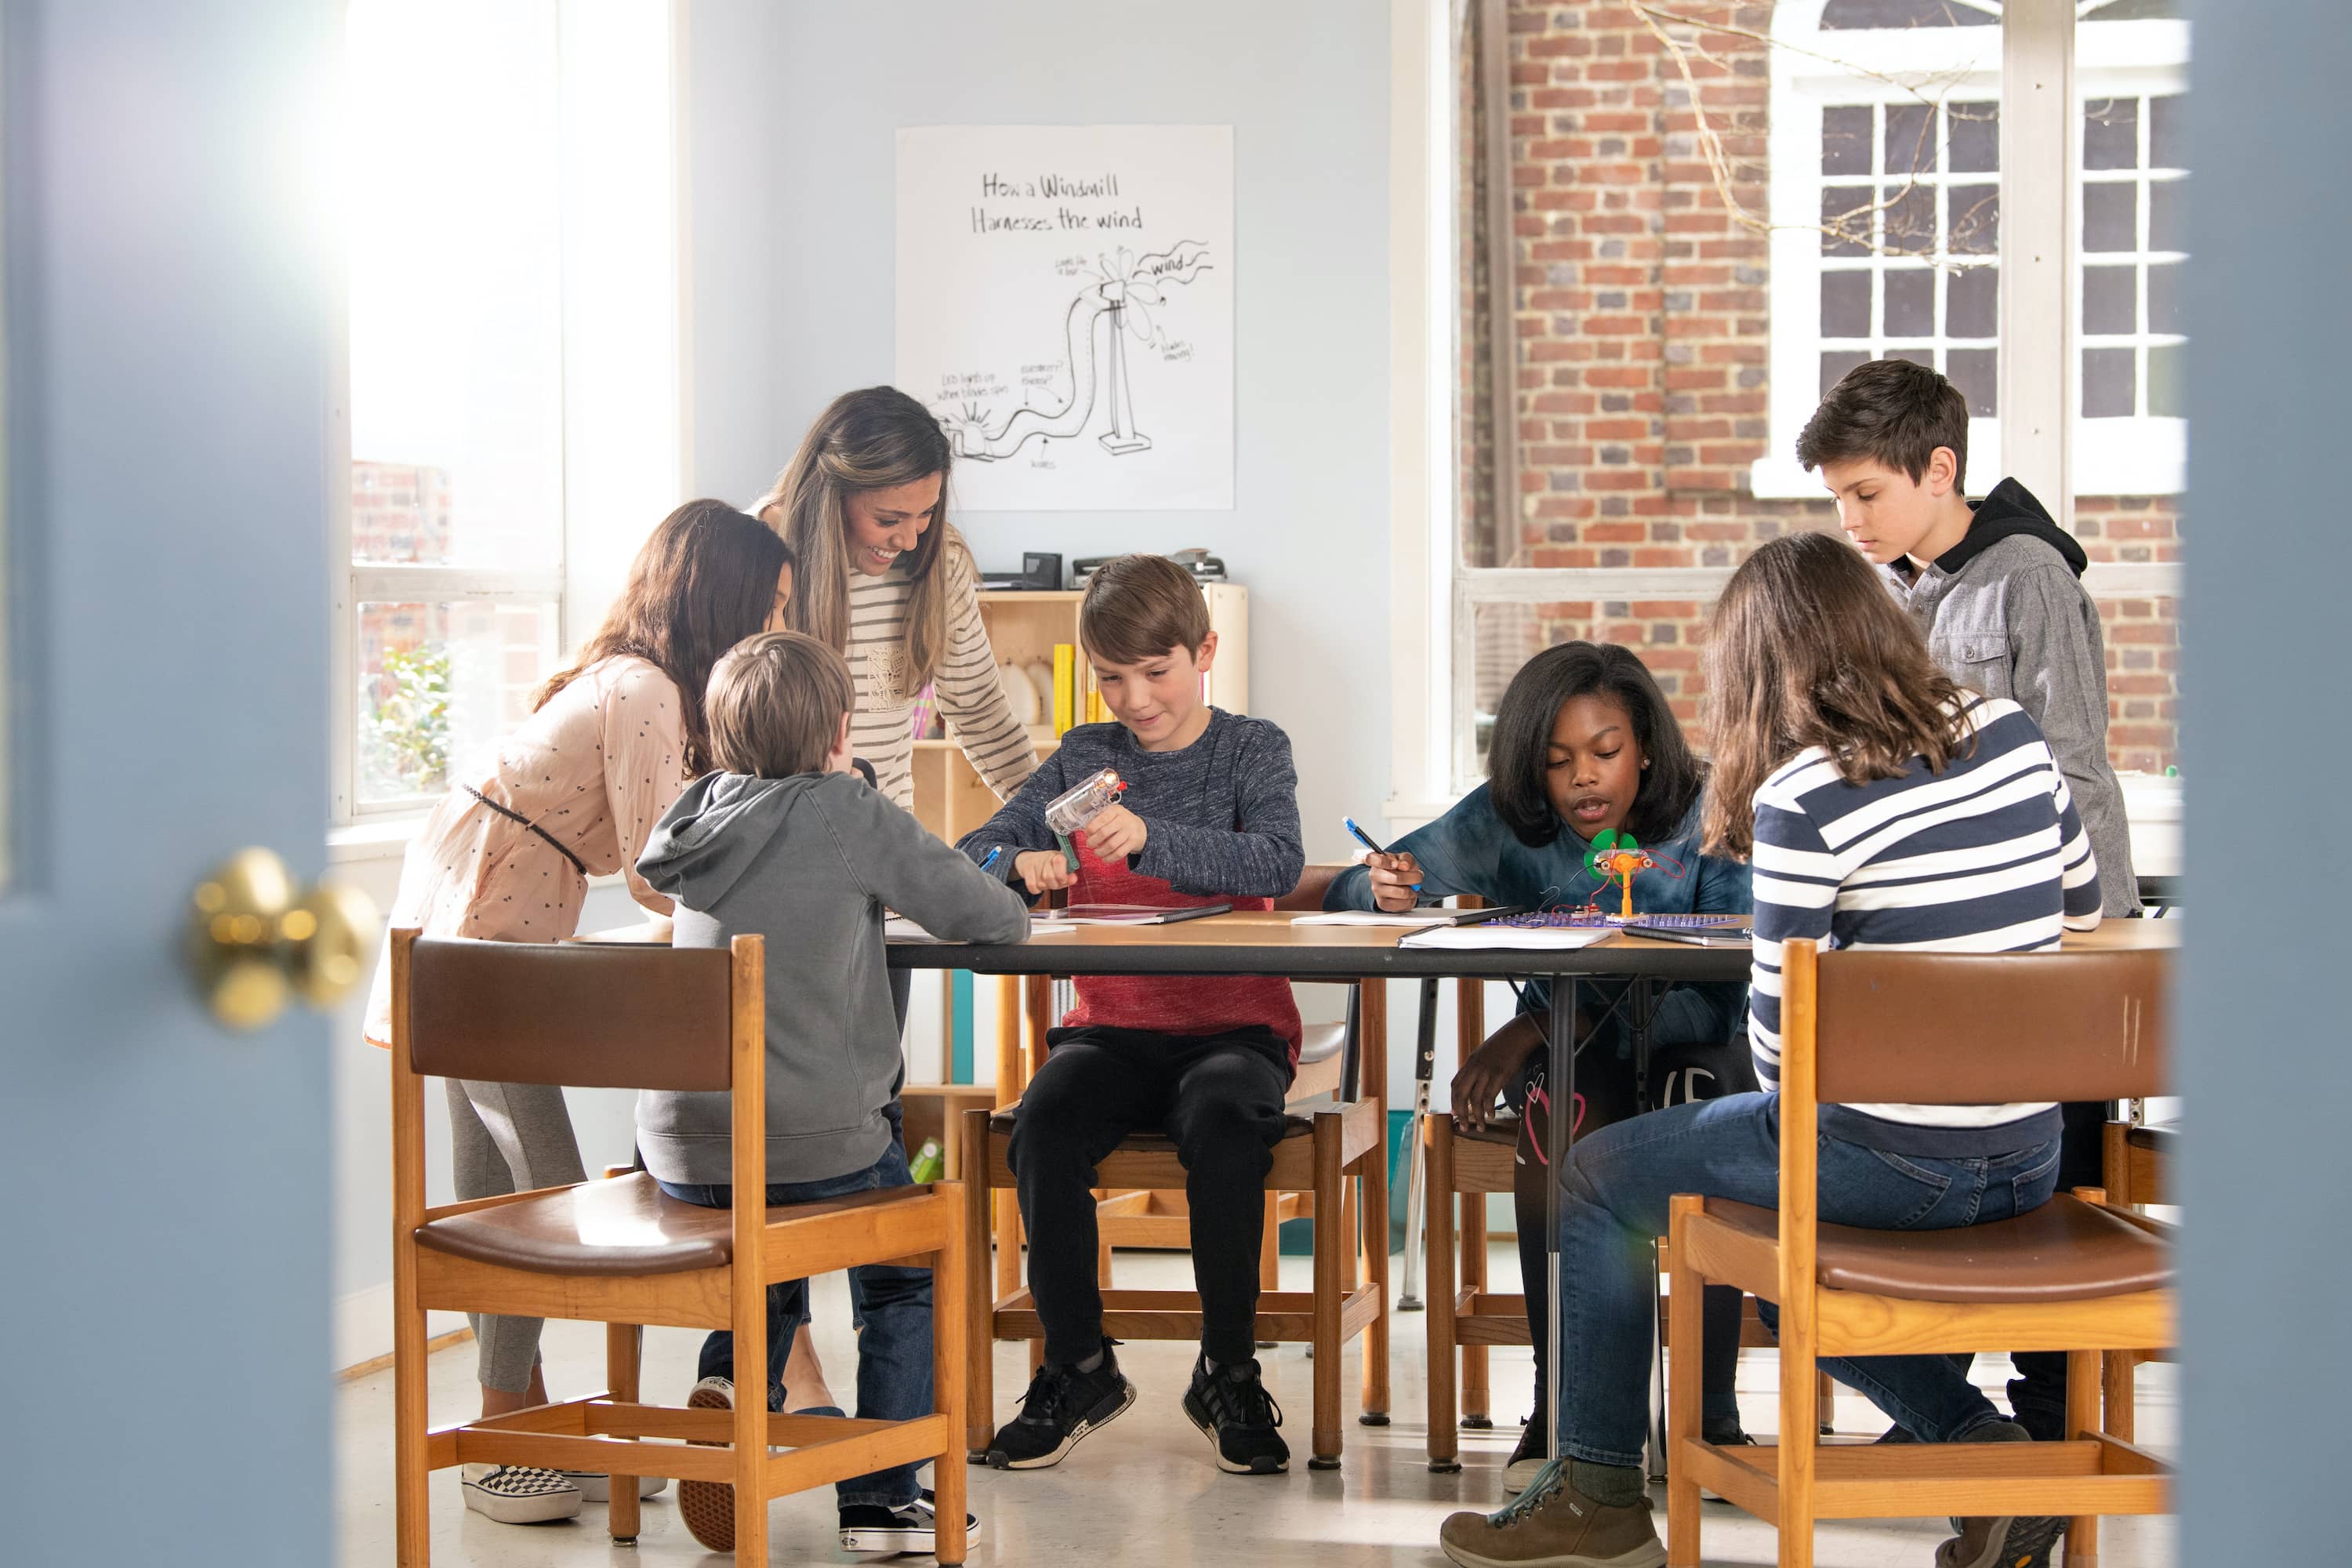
(520, 1494)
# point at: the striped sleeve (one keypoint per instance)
(2084, 898)
(979, 718)
(1796, 889)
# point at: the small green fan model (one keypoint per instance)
(1614, 857)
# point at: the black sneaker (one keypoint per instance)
(1239, 1417)
(2024, 1542)
(889, 1532)
(1063, 1405)
(1533, 1453)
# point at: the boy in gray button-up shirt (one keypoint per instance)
(1995, 586)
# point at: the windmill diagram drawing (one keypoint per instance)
(1120, 310)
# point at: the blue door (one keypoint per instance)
(169, 330)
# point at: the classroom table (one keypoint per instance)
(1256, 943)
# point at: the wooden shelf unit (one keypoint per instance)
(1023, 628)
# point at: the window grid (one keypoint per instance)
(2131, 367)
(1921, 242)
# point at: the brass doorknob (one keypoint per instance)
(255, 943)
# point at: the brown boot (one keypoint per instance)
(1995, 1542)
(1553, 1525)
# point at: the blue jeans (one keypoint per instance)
(1613, 1203)
(892, 1307)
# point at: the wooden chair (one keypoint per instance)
(620, 1252)
(1331, 1162)
(2074, 1275)
(2136, 1156)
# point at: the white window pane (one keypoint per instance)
(1977, 373)
(1845, 304)
(1973, 136)
(1972, 302)
(2108, 383)
(2110, 217)
(2167, 228)
(1910, 303)
(1859, 14)
(1845, 139)
(2164, 283)
(2110, 301)
(438, 685)
(453, 190)
(2110, 134)
(1972, 219)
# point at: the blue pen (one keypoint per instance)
(1365, 839)
(992, 854)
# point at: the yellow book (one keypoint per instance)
(1066, 675)
(1096, 712)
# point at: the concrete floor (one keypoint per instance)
(1143, 1490)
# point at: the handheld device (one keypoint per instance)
(1071, 810)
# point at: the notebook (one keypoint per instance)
(1417, 918)
(1124, 915)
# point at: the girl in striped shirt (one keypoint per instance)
(1881, 806)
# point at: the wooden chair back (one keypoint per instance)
(554, 1013)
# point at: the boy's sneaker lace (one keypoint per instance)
(1063, 1405)
(889, 1532)
(1239, 1417)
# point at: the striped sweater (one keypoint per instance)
(1988, 855)
(979, 719)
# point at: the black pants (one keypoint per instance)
(1219, 1098)
(2037, 1394)
(1605, 1091)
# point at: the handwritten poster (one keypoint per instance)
(1065, 307)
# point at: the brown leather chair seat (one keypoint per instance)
(1294, 1125)
(2063, 1251)
(626, 1227)
(2164, 1137)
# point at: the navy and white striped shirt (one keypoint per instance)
(1986, 855)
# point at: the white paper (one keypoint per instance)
(1550, 938)
(1065, 307)
(898, 927)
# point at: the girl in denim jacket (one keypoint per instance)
(1584, 742)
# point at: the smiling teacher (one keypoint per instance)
(887, 580)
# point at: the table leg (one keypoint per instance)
(1559, 1133)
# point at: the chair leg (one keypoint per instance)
(948, 1346)
(1437, 1196)
(979, 1308)
(1374, 1179)
(1799, 1435)
(750, 1423)
(1269, 1247)
(2121, 1386)
(2083, 1388)
(1685, 1330)
(1477, 1397)
(621, 1362)
(1331, 1242)
(414, 1526)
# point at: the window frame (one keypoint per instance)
(2140, 455)
(622, 452)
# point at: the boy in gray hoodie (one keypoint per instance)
(787, 843)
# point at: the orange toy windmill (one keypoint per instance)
(1614, 857)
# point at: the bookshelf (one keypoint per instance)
(1023, 628)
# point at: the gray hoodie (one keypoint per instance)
(2004, 614)
(808, 862)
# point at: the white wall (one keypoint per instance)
(790, 118)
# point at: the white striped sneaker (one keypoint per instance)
(521, 1494)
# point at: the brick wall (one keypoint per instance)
(1643, 319)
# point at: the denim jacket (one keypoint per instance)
(1471, 850)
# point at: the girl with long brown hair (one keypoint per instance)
(1881, 806)
(506, 855)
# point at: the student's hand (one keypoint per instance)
(1396, 880)
(1492, 1068)
(1042, 870)
(1114, 834)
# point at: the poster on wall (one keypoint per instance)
(1065, 307)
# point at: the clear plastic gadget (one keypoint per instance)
(1075, 807)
